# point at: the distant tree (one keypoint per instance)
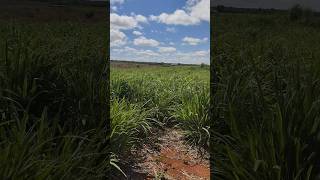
(202, 65)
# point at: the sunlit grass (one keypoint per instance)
(155, 97)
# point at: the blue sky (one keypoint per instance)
(171, 31)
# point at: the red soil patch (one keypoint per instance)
(170, 157)
(179, 166)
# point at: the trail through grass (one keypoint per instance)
(146, 101)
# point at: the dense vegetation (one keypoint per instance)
(146, 98)
(266, 97)
(53, 100)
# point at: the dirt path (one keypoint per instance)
(168, 156)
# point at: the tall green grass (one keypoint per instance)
(149, 98)
(192, 115)
(267, 99)
(53, 99)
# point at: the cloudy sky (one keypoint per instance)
(278, 4)
(172, 31)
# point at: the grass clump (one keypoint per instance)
(192, 115)
(265, 106)
(53, 122)
(128, 122)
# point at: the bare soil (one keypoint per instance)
(168, 156)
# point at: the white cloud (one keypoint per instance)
(148, 48)
(167, 49)
(114, 8)
(146, 53)
(199, 9)
(171, 29)
(194, 53)
(195, 12)
(130, 49)
(141, 18)
(126, 22)
(191, 3)
(138, 33)
(125, 49)
(122, 22)
(117, 38)
(179, 17)
(201, 53)
(143, 41)
(116, 1)
(132, 52)
(116, 50)
(194, 41)
(192, 57)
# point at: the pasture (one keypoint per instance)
(147, 100)
(53, 96)
(266, 96)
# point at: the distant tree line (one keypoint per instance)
(74, 2)
(295, 12)
(221, 8)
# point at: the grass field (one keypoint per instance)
(53, 99)
(155, 96)
(266, 101)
